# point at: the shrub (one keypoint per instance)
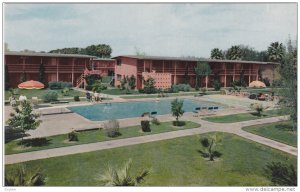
(59, 84)
(89, 87)
(65, 91)
(73, 136)
(155, 121)
(112, 128)
(180, 87)
(145, 126)
(258, 107)
(217, 85)
(281, 174)
(141, 91)
(178, 123)
(277, 83)
(266, 81)
(50, 96)
(98, 87)
(203, 90)
(76, 98)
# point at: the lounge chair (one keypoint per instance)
(152, 114)
(216, 109)
(196, 111)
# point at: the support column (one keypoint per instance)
(233, 71)
(225, 83)
(175, 79)
(23, 58)
(144, 67)
(249, 79)
(206, 80)
(73, 71)
(56, 69)
(163, 66)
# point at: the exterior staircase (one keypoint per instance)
(81, 81)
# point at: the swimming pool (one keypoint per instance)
(101, 112)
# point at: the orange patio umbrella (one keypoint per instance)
(31, 85)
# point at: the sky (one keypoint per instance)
(156, 29)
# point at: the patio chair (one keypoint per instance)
(152, 114)
(203, 111)
(210, 110)
(216, 109)
(196, 111)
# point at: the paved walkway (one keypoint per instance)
(206, 126)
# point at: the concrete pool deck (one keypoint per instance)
(58, 119)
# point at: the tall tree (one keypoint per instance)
(202, 69)
(7, 83)
(216, 53)
(122, 176)
(281, 174)
(23, 118)
(234, 53)
(275, 52)
(42, 73)
(288, 72)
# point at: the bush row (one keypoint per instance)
(59, 84)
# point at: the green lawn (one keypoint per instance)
(243, 116)
(94, 136)
(115, 91)
(280, 131)
(174, 162)
(29, 93)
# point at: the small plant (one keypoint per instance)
(155, 121)
(203, 90)
(176, 108)
(210, 145)
(76, 98)
(258, 107)
(65, 91)
(112, 128)
(73, 136)
(50, 96)
(217, 85)
(145, 126)
(281, 174)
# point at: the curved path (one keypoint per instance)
(234, 128)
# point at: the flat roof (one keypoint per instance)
(18, 53)
(191, 59)
(103, 59)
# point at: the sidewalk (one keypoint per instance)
(234, 128)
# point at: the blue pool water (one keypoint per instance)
(100, 112)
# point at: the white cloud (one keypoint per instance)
(157, 29)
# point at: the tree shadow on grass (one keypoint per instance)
(35, 142)
(284, 127)
(258, 115)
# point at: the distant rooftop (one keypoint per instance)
(191, 59)
(47, 54)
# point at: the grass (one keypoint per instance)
(244, 116)
(115, 91)
(29, 93)
(279, 131)
(174, 162)
(92, 136)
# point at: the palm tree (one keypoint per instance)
(122, 177)
(234, 53)
(24, 177)
(275, 52)
(216, 53)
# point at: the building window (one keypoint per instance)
(119, 62)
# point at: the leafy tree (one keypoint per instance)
(288, 72)
(216, 54)
(149, 85)
(24, 118)
(210, 147)
(123, 176)
(23, 77)
(42, 73)
(131, 81)
(177, 109)
(258, 107)
(234, 53)
(7, 83)
(202, 69)
(275, 52)
(281, 174)
(138, 52)
(24, 177)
